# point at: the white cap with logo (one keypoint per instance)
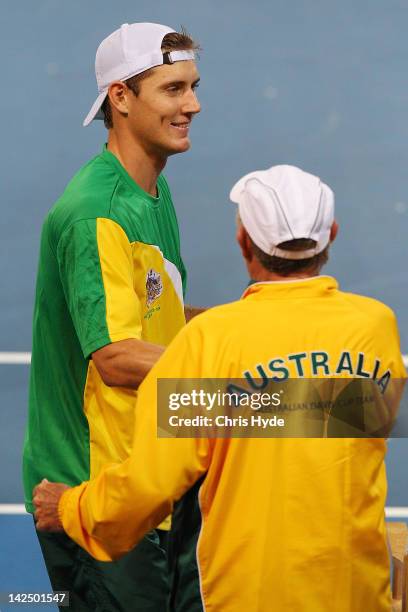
(128, 51)
(285, 203)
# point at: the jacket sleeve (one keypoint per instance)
(108, 515)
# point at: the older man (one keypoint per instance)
(287, 524)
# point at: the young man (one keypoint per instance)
(287, 524)
(109, 298)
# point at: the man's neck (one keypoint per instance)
(142, 167)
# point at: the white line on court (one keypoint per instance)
(10, 358)
(396, 512)
(14, 358)
(390, 512)
(12, 509)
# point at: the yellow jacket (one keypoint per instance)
(287, 524)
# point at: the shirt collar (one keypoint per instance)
(315, 286)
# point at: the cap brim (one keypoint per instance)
(95, 112)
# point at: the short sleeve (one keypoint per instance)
(96, 271)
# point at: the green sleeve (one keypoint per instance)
(81, 278)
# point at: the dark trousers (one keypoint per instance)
(138, 582)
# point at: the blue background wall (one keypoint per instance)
(320, 84)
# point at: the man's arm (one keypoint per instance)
(192, 311)
(127, 362)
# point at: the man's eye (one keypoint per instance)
(173, 88)
(195, 86)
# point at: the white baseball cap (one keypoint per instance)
(285, 203)
(128, 51)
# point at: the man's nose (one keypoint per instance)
(191, 105)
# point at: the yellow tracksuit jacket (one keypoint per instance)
(287, 524)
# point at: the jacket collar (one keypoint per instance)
(315, 286)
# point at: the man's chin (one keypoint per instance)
(180, 147)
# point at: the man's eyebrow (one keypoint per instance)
(180, 82)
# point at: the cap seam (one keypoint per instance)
(283, 212)
(318, 212)
(271, 188)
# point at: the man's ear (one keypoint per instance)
(244, 242)
(334, 231)
(118, 96)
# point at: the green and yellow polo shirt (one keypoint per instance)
(109, 269)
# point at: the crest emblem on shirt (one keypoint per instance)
(154, 287)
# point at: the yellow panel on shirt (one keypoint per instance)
(142, 301)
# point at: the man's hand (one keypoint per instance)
(46, 498)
